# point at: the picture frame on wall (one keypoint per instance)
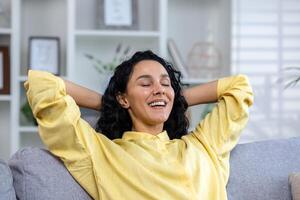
(4, 70)
(44, 54)
(118, 14)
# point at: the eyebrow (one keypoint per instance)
(149, 76)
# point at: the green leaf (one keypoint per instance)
(292, 83)
(127, 50)
(119, 46)
(89, 56)
(27, 112)
(98, 68)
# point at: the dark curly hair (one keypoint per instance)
(115, 120)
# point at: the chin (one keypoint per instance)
(160, 120)
(156, 118)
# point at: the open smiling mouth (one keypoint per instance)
(158, 104)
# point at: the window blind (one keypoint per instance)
(265, 41)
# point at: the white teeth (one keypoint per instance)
(157, 103)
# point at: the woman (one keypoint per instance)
(140, 148)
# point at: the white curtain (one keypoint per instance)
(265, 41)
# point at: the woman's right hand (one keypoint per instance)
(83, 97)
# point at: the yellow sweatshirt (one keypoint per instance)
(140, 165)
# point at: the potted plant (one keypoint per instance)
(105, 68)
(294, 76)
(27, 113)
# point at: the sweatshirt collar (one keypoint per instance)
(135, 135)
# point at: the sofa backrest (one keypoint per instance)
(260, 170)
(39, 175)
(7, 191)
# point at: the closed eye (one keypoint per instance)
(165, 83)
(145, 85)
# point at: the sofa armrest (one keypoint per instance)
(6, 182)
(37, 174)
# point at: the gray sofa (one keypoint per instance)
(259, 170)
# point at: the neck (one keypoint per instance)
(152, 129)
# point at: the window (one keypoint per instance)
(265, 41)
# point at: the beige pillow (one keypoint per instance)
(294, 181)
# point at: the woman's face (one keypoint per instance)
(149, 95)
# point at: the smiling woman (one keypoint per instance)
(148, 97)
(143, 79)
(141, 148)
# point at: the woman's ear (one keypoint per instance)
(122, 100)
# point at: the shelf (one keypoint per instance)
(5, 31)
(5, 97)
(22, 78)
(28, 129)
(113, 33)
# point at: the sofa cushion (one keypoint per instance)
(7, 190)
(39, 175)
(294, 180)
(260, 170)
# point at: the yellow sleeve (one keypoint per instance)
(221, 128)
(60, 127)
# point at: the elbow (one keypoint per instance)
(243, 80)
(246, 88)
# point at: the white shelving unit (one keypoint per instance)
(5, 97)
(88, 38)
(28, 129)
(200, 21)
(75, 22)
(6, 104)
(88, 33)
(4, 31)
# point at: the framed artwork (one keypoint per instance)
(4, 70)
(44, 54)
(118, 14)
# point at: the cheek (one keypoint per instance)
(171, 97)
(145, 93)
(138, 97)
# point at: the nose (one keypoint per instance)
(158, 89)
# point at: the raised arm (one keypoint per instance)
(224, 123)
(204, 93)
(83, 97)
(61, 128)
(220, 130)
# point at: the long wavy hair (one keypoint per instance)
(115, 120)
